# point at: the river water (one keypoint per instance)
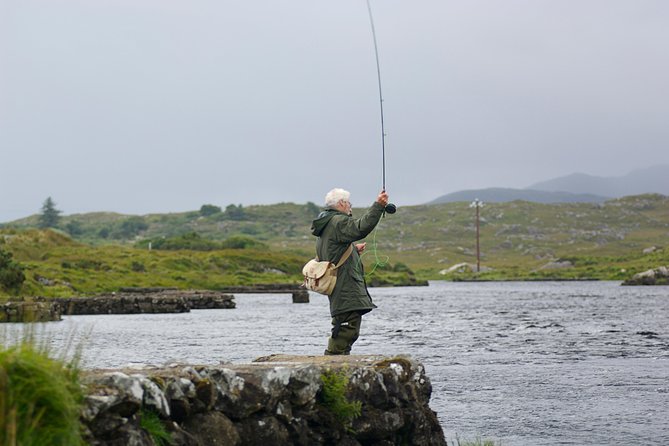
(540, 363)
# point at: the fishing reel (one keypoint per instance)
(390, 208)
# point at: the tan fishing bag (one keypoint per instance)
(321, 277)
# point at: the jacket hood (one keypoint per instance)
(322, 220)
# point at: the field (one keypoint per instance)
(97, 252)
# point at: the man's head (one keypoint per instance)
(339, 199)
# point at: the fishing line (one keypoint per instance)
(378, 263)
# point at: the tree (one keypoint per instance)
(235, 212)
(209, 209)
(74, 228)
(50, 216)
(312, 208)
(131, 227)
(11, 272)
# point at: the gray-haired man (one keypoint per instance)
(336, 230)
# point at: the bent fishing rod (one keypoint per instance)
(390, 208)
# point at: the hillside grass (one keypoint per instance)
(519, 241)
(57, 266)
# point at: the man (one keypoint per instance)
(336, 230)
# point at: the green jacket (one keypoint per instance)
(336, 231)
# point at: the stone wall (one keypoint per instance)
(275, 400)
(29, 312)
(41, 309)
(165, 301)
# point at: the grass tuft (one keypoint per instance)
(40, 398)
(334, 397)
(476, 442)
(151, 423)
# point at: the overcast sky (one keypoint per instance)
(142, 106)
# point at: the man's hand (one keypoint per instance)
(360, 247)
(382, 199)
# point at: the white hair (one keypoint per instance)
(335, 196)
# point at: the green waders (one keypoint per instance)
(345, 331)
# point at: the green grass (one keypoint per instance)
(333, 396)
(151, 423)
(57, 266)
(603, 241)
(39, 398)
(476, 442)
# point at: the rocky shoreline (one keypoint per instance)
(40, 309)
(137, 301)
(277, 400)
(656, 276)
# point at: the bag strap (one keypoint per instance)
(346, 255)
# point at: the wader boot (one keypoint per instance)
(345, 331)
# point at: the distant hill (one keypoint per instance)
(503, 195)
(612, 240)
(653, 179)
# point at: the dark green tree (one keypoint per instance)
(312, 208)
(74, 228)
(11, 272)
(131, 227)
(50, 216)
(209, 209)
(235, 212)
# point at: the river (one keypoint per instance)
(538, 363)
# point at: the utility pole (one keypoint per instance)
(477, 204)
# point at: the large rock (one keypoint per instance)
(213, 428)
(657, 276)
(274, 400)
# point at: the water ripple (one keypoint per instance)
(526, 363)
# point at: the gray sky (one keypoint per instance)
(140, 106)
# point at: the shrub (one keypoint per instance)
(138, 267)
(242, 242)
(11, 272)
(39, 398)
(191, 240)
(402, 268)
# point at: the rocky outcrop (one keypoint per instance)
(657, 276)
(276, 400)
(163, 301)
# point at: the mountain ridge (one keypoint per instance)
(503, 195)
(573, 188)
(648, 180)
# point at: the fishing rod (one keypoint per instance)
(390, 208)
